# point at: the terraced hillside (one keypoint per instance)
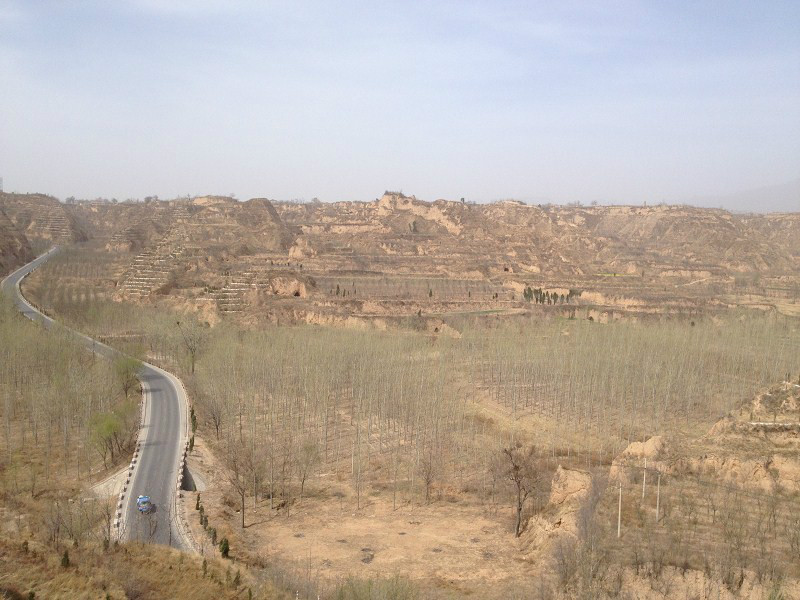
(661, 258)
(399, 257)
(43, 219)
(547, 240)
(123, 227)
(15, 250)
(781, 229)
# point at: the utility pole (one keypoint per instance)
(644, 478)
(658, 495)
(619, 512)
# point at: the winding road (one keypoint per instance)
(163, 435)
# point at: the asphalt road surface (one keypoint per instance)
(163, 433)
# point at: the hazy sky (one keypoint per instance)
(560, 101)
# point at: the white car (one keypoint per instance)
(143, 504)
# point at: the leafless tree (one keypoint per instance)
(194, 338)
(236, 461)
(428, 471)
(307, 459)
(522, 471)
(126, 369)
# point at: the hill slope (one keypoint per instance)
(43, 219)
(400, 256)
(554, 240)
(15, 250)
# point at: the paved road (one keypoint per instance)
(163, 433)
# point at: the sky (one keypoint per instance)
(614, 101)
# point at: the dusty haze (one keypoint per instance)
(623, 104)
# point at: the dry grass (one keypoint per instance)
(129, 571)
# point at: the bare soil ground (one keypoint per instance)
(111, 485)
(453, 545)
(445, 546)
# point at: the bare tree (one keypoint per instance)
(107, 512)
(428, 471)
(211, 402)
(521, 470)
(126, 368)
(307, 459)
(194, 338)
(236, 463)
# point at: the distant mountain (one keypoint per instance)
(784, 197)
(491, 239)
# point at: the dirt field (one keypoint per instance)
(451, 545)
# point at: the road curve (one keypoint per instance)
(163, 435)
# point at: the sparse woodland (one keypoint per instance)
(68, 419)
(67, 416)
(418, 404)
(415, 417)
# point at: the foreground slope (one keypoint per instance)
(122, 572)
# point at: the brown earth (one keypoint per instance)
(129, 571)
(756, 447)
(400, 257)
(452, 546)
(733, 492)
(401, 262)
(15, 249)
(43, 219)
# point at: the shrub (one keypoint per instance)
(224, 548)
(396, 588)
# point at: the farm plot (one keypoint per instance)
(419, 289)
(74, 280)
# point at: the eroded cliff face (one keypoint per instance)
(554, 240)
(559, 522)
